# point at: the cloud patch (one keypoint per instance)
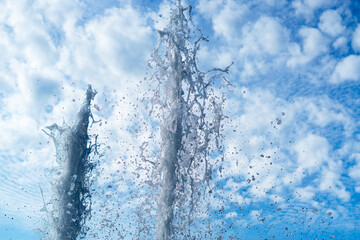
(347, 69)
(314, 44)
(331, 23)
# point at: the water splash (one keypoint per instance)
(72, 203)
(191, 118)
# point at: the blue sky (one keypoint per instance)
(294, 61)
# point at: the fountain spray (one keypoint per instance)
(72, 201)
(191, 116)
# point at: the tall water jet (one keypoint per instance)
(191, 115)
(72, 204)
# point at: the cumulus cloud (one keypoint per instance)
(252, 44)
(330, 181)
(121, 38)
(227, 21)
(331, 23)
(348, 69)
(340, 43)
(209, 8)
(307, 7)
(111, 43)
(312, 151)
(59, 13)
(267, 36)
(280, 144)
(306, 194)
(314, 44)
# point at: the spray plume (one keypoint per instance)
(191, 116)
(72, 202)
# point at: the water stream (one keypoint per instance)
(191, 117)
(71, 202)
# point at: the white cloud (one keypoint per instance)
(312, 151)
(121, 39)
(267, 35)
(252, 45)
(307, 7)
(340, 43)
(161, 18)
(314, 44)
(255, 215)
(105, 50)
(59, 12)
(209, 7)
(348, 69)
(356, 39)
(228, 21)
(30, 36)
(331, 23)
(275, 2)
(231, 215)
(295, 147)
(305, 194)
(35, 74)
(324, 112)
(330, 181)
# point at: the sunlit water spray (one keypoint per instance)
(71, 203)
(190, 111)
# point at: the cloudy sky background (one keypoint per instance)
(293, 113)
